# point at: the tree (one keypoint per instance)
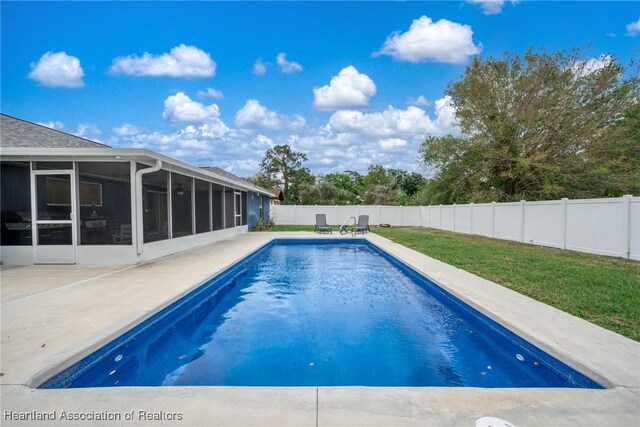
(284, 166)
(324, 193)
(299, 179)
(349, 181)
(531, 126)
(263, 180)
(380, 187)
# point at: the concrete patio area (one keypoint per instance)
(53, 316)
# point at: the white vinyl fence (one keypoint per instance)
(598, 226)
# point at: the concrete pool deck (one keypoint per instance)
(52, 316)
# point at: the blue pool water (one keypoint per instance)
(319, 313)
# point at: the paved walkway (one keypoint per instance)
(52, 316)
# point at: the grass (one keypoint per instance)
(602, 290)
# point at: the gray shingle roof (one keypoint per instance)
(21, 133)
(223, 172)
(231, 176)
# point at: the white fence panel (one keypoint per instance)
(599, 226)
(544, 223)
(282, 214)
(344, 212)
(410, 216)
(436, 216)
(425, 216)
(447, 218)
(463, 219)
(390, 215)
(508, 221)
(590, 227)
(634, 229)
(306, 214)
(483, 219)
(373, 212)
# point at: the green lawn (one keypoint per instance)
(602, 290)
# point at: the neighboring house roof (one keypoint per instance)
(22, 134)
(277, 193)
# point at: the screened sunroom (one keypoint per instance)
(93, 204)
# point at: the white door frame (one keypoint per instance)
(54, 254)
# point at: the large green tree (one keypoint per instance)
(380, 187)
(284, 166)
(534, 127)
(324, 193)
(349, 181)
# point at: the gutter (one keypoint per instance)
(139, 207)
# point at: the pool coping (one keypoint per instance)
(613, 360)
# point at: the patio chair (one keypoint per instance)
(362, 226)
(321, 224)
(124, 236)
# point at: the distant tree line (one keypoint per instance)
(538, 126)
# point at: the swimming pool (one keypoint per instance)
(330, 312)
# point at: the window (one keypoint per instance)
(58, 193)
(105, 203)
(181, 205)
(15, 201)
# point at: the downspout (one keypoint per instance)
(139, 207)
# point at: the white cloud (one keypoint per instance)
(287, 67)
(87, 130)
(350, 140)
(420, 101)
(255, 115)
(126, 130)
(260, 67)
(441, 41)
(589, 66)
(83, 130)
(57, 69)
(210, 93)
(181, 61)
(392, 143)
(445, 112)
(633, 28)
(181, 108)
(55, 124)
(489, 7)
(394, 122)
(349, 89)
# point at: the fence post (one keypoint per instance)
(440, 225)
(471, 215)
(380, 214)
(454, 217)
(493, 219)
(626, 209)
(564, 222)
(522, 207)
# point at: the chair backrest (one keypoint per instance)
(125, 231)
(321, 220)
(363, 221)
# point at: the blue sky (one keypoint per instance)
(185, 79)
